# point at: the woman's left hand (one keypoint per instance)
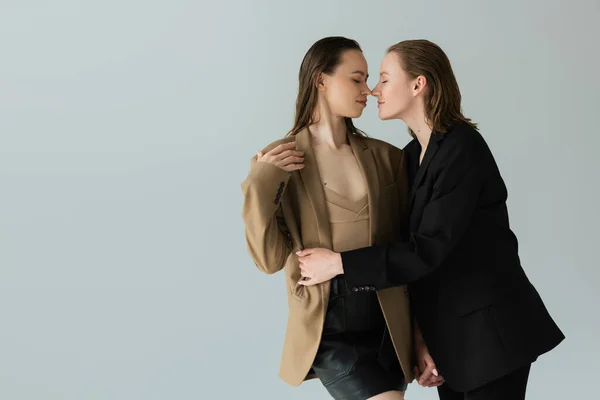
(426, 372)
(319, 265)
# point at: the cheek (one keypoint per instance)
(344, 95)
(338, 101)
(338, 92)
(398, 95)
(332, 97)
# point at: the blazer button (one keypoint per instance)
(276, 201)
(281, 185)
(372, 288)
(355, 289)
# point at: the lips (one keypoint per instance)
(363, 102)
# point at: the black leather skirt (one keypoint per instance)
(356, 358)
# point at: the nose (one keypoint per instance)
(366, 91)
(376, 92)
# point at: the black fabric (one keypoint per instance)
(509, 387)
(479, 314)
(355, 359)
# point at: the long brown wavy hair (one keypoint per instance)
(443, 99)
(323, 57)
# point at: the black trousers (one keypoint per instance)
(509, 387)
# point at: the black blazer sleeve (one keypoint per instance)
(457, 171)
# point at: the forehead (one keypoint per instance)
(353, 60)
(390, 63)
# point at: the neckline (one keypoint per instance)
(361, 198)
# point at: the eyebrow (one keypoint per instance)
(383, 73)
(359, 72)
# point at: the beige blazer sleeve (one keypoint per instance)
(267, 236)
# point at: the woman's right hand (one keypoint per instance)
(283, 156)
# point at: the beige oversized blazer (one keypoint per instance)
(284, 212)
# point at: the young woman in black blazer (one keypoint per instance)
(482, 319)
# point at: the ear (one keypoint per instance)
(319, 81)
(419, 85)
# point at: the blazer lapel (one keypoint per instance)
(432, 148)
(366, 162)
(314, 188)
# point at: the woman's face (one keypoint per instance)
(395, 91)
(345, 91)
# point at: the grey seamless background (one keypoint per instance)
(126, 128)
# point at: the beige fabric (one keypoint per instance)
(349, 221)
(285, 212)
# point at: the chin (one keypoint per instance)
(355, 114)
(384, 117)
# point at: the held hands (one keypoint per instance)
(425, 371)
(319, 265)
(284, 157)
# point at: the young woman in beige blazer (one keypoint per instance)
(327, 185)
